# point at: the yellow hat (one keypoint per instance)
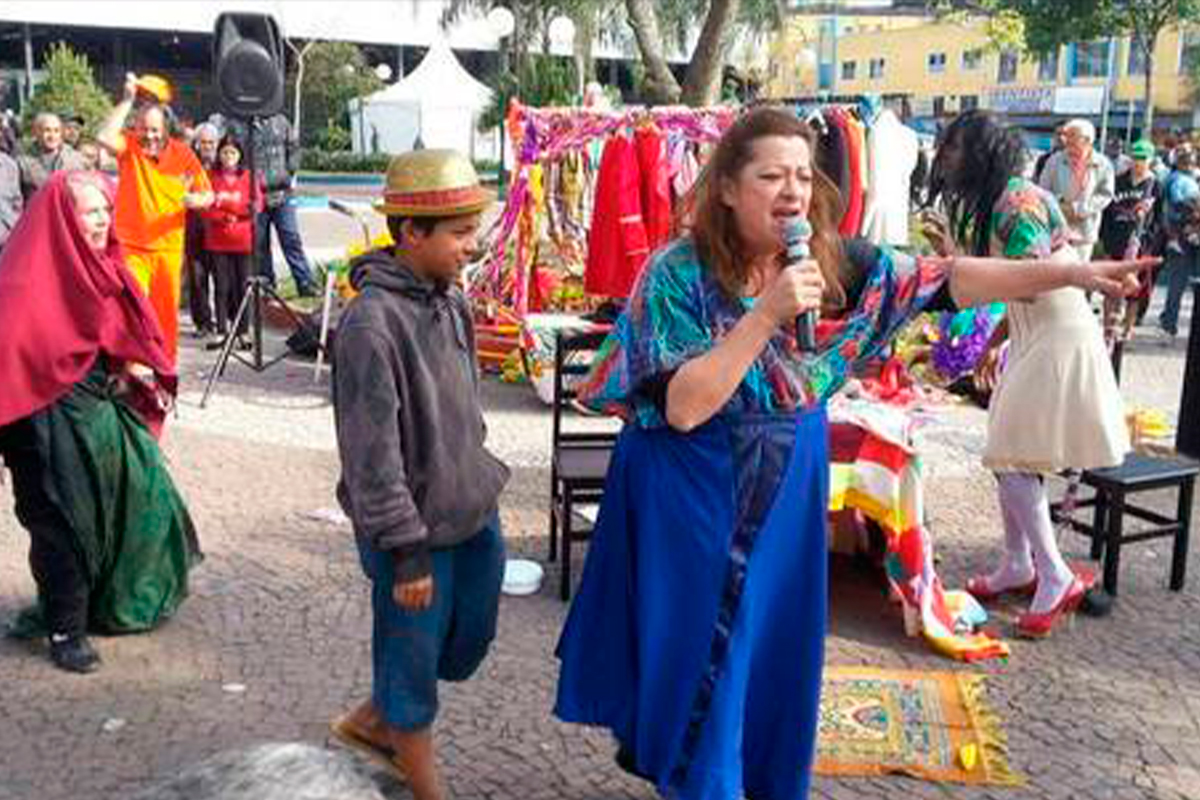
(432, 183)
(156, 86)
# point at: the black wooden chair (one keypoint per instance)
(579, 458)
(1111, 505)
(1141, 473)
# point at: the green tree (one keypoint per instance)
(1046, 25)
(539, 80)
(69, 88)
(334, 74)
(655, 24)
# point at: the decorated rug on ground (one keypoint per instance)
(929, 725)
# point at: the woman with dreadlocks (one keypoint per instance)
(1057, 406)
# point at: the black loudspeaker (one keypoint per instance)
(248, 64)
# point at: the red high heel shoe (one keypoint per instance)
(978, 588)
(1038, 626)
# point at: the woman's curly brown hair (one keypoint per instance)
(713, 226)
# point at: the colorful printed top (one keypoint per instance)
(678, 312)
(1027, 222)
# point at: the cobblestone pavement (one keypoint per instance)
(274, 640)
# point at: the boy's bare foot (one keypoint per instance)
(416, 759)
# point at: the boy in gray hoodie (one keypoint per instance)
(417, 482)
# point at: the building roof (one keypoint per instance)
(384, 22)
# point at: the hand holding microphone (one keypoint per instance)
(796, 234)
(795, 294)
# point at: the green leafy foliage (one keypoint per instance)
(539, 81)
(315, 160)
(69, 88)
(334, 74)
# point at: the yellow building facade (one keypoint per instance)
(946, 68)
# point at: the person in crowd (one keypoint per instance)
(417, 481)
(72, 129)
(91, 154)
(1081, 180)
(697, 632)
(48, 155)
(197, 264)
(228, 237)
(1057, 406)
(11, 200)
(86, 380)
(1114, 150)
(276, 160)
(1058, 143)
(1181, 223)
(1128, 226)
(160, 179)
(8, 132)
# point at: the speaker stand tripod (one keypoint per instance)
(258, 291)
(258, 286)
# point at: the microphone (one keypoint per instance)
(796, 233)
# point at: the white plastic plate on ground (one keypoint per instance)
(521, 577)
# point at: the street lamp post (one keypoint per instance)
(562, 36)
(501, 21)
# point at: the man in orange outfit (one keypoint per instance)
(159, 179)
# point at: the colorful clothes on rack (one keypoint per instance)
(893, 149)
(617, 246)
(655, 188)
(853, 199)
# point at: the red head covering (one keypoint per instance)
(64, 303)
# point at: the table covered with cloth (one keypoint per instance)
(875, 470)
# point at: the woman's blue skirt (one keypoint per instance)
(697, 634)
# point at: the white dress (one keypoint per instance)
(1057, 405)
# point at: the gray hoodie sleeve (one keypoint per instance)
(366, 410)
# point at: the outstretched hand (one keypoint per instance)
(1114, 278)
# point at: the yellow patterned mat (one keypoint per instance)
(930, 725)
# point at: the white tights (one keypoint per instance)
(1030, 547)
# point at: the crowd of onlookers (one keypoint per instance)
(222, 246)
(1141, 199)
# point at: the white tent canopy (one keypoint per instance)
(439, 102)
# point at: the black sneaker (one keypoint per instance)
(73, 652)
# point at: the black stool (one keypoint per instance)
(1113, 485)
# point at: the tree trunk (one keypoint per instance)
(702, 86)
(585, 33)
(661, 87)
(1148, 113)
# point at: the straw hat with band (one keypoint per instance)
(432, 183)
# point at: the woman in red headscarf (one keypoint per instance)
(86, 380)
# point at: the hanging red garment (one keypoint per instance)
(852, 219)
(617, 246)
(656, 190)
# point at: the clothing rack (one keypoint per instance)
(544, 135)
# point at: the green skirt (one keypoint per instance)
(132, 531)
